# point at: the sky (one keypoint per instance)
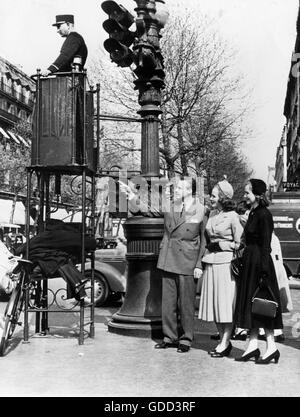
(263, 33)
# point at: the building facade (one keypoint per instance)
(287, 167)
(281, 162)
(17, 92)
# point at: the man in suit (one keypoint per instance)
(180, 262)
(73, 47)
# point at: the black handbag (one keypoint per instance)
(237, 264)
(264, 307)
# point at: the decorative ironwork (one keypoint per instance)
(55, 298)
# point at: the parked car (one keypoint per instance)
(110, 275)
(107, 242)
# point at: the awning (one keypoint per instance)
(19, 217)
(76, 217)
(4, 133)
(10, 225)
(67, 216)
(14, 137)
(23, 141)
(5, 210)
(61, 214)
(20, 214)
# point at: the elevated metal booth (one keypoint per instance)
(63, 151)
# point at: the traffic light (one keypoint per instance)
(120, 37)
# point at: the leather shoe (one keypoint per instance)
(183, 348)
(242, 335)
(275, 355)
(225, 352)
(254, 354)
(280, 338)
(165, 345)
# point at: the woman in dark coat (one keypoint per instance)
(258, 272)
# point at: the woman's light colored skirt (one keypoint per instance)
(218, 294)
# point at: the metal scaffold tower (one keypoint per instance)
(63, 150)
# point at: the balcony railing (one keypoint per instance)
(15, 94)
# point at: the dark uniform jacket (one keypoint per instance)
(74, 45)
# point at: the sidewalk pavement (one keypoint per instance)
(112, 365)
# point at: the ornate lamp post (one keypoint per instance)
(140, 313)
(150, 81)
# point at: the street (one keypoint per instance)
(111, 365)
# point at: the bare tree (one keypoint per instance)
(119, 141)
(225, 158)
(199, 96)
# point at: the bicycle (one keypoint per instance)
(15, 304)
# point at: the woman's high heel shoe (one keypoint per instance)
(254, 354)
(241, 335)
(275, 355)
(225, 352)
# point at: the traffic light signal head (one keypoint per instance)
(118, 12)
(120, 37)
(119, 53)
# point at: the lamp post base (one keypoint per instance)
(140, 314)
(121, 325)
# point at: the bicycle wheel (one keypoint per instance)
(11, 316)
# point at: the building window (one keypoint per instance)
(21, 113)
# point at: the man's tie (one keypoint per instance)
(178, 210)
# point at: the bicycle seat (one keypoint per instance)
(25, 263)
(22, 260)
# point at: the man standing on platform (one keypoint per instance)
(181, 250)
(73, 47)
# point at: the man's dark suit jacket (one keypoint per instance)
(74, 45)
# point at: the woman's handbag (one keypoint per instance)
(264, 307)
(237, 264)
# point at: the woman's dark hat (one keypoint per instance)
(259, 187)
(63, 18)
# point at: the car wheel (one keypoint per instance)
(101, 288)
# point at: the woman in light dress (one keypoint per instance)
(218, 294)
